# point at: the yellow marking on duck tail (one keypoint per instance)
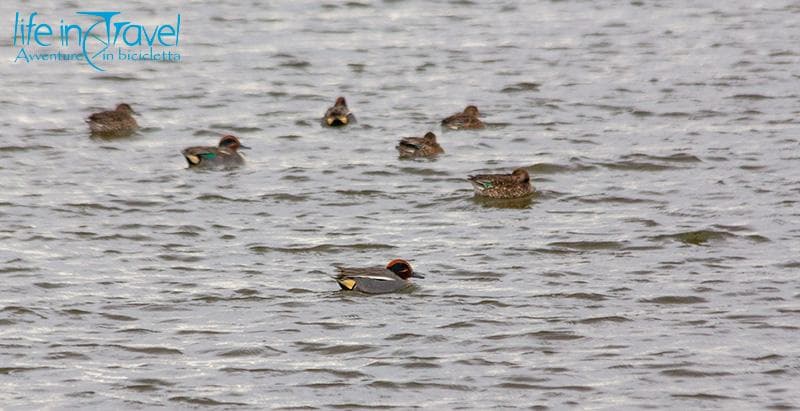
(347, 283)
(343, 119)
(329, 120)
(193, 158)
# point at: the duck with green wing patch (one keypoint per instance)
(224, 155)
(514, 185)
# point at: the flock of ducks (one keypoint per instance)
(371, 280)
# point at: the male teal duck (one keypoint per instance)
(466, 120)
(225, 154)
(116, 122)
(426, 146)
(377, 280)
(338, 115)
(514, 185)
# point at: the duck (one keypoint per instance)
(338, 115)
(377, 280)
(425, 146)
(466, 120)
(225, 154)
(514, 185)
(119, 121)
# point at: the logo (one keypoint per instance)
(103, 37)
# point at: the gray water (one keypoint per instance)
(656, 267)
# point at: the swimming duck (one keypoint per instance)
(468, 119)
(115, 122)
(225, 154)
(419, 146)
(514, 185)
(338, 115)
(377, 280)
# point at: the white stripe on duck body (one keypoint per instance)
(117, 122)
(425, 146)
(338, 115)
(226, 153)
(514, 185)
(377, 280)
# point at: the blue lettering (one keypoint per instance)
(16, 19)
(22, 55)
(70, 28)
(92, 38)
(37, 33)
(30, 26)
(106, 16)
(150, 39)
(118, 29)
(166, 31)
(138, 39)
(177, 30)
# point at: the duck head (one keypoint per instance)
(125, 108)
(402, 268)
(430, 137)
(521, 175)
(341, 102)
(231, 143)
(472, 111)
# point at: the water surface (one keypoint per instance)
(656, 267)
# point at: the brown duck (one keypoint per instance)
(466, 120)
(514, 185)
(119, 121)
(338, 115)
(426, 146)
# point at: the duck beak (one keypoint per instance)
(417, 275)
(244, 147)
